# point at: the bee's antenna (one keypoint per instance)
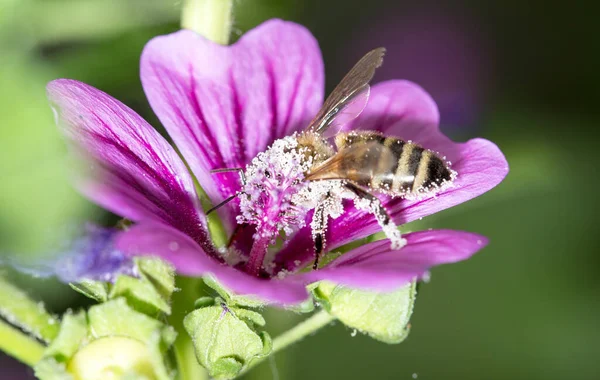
(223, 203)
(228, 170)
(229, 199)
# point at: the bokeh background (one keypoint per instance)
(523, 74)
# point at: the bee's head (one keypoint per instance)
(314, 147)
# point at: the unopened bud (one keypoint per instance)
(214, 328)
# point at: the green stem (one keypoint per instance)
(183, 303)
(297, 333)
(22, 311)
(209, 18)
(19, 345)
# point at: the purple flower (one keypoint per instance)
(222, 106)
(89, 255)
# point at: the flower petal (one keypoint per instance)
(376, 266)
(135, 172)
(404, 110)
(189, 259)
(224, 104)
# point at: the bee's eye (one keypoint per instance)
(267, 174)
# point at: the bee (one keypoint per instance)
(363, 162)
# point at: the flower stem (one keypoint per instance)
(19, 345)
(22, 311)
(297, 333)
(183, 302)
(209, 18)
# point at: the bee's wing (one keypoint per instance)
(350, 96)
(359, 163)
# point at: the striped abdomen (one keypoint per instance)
(384, 163)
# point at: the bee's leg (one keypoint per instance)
(380, 212)
(383, 218)
(318, 226)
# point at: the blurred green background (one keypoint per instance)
(523, 74)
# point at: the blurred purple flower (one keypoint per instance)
(223, 105)
(91, 255)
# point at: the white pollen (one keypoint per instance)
(390, 229)
(173, 246)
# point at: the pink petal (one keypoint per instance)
(376, 266)
(135, 172)
(224, 104)
(189, 259)
(404, 110)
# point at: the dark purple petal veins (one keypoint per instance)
(133, 172)
(222, 105)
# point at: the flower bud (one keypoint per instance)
(113, 342)
(112, 358)
(214, 328)
(383, 316)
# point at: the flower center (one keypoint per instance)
(276, 198)
(272, 179)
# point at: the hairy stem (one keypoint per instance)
(183, 303)
(297, 333)
(19, 345)
(209, 18)
(20, 310)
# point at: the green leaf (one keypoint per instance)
(151, 292)
(303, 307)
(20, 310)
(73, 330)
(95, 290)
(160, 273)
(223, 341)
(116, 317)
(251, 317)
(383, 316)
(126, 341)
(204, 302)
(230, 297)
(141, 294)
